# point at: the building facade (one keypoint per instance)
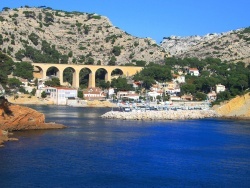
(58, 95)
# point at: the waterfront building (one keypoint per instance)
(175, 98)
(128, 94)
(211, 96)
(154, 94)
(58, 95)
(94, 93)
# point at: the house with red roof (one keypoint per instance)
(193, 71)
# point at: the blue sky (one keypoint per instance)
(157, 18)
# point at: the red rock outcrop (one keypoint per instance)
(15, 117)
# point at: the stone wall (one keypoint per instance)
(161, 115)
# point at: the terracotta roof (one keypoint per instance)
(193, 69)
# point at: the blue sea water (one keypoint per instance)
(95, 152)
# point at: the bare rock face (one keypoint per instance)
(15, 117)
(238, 107)
(232, 46)
(19, 118)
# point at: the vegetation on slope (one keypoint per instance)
(54, 36)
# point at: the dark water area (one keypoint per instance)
(95, 152)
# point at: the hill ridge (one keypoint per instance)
(82, 37)
(231, 46)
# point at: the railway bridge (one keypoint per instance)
(40, 71)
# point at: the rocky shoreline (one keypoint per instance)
(15, 118)
(161, 115)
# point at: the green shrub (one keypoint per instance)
(1, 19)
(34, 38)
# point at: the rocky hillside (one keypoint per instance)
(43, 34)
(239, 107)
(231, 46)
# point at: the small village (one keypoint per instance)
(161, 96)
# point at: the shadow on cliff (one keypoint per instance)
(4, 104)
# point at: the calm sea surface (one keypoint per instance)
(95, 152)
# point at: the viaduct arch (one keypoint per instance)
(40, 70)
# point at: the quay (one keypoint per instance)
(161, 115)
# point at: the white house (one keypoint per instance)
(179, 79)
(171, 88)
(111, 92)
(154, 94)
(58, 95)
(220, 88)
(137, 84)
(127, 94)
(65, 93)
(133, 96)
(40, 83)
(193, 71)
(212, 96)
(2, 90)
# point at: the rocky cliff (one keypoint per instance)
(15, 117)
(239, 107)
(231, 46)
(56, 36)
(83, 38)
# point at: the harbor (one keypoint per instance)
(163, 111)
(163, 106)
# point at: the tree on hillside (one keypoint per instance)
(121, 84)
(20, 55)
(112, 61)
(140, 63)
(153, 72)
(23, 70)
(104, 85)
(116, 50)
(188, 88)
(89, 61)
(34, 38)
(14, 83)
(48, 17)
(147, 82)
(6, 65)
(53, 82)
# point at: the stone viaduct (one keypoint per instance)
(40, 71)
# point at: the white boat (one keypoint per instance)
(127, 109)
